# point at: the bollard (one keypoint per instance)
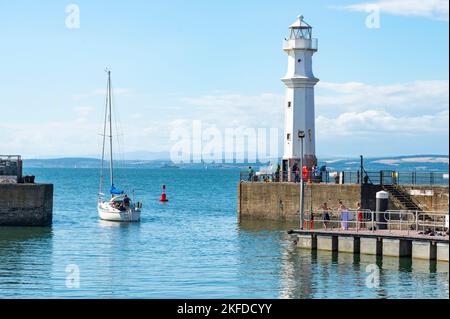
(382, 207)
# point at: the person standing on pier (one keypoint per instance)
(343, 211)
(359, 213)
(296, 171)
(251, 172)
(326, 214)
(323, 173)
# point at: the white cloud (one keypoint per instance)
(82, 113)
(50, 138)
(232, 110)
(379, 122)
(417, 110)
(117, 91)
(235, 100)
(419, 97)
(76, 138)
(434, 9)
(414, 110)
(406, 102)
(102, 92)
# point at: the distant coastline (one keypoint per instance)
(409, 162)
(414, 160)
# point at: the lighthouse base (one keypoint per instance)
(287, 171)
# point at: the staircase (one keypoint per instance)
(401, 197)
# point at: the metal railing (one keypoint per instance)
(354, 177)
(10, 165)
(340, 219)
(367, 220)
(10, 157)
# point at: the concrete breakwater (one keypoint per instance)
(280, 201)
(380, 243)
(26, 204)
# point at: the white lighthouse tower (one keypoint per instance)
(299, 105)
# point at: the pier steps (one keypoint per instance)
(401, 197)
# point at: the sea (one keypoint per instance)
(193, 246)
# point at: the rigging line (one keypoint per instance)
(104, 140)
(119, 132)
(122, 138)
(111, 162)
(113, 110)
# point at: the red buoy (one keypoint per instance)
(163, 195)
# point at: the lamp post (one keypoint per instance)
(361, 185)
(301, 136)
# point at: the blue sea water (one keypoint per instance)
(192, 247)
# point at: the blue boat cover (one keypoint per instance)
(115, 191)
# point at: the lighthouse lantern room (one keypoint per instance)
(299, 104)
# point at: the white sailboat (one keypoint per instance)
(120, 207)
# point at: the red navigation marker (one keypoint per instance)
(163, 198)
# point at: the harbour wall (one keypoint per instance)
(429, 198)
(280, 201)
(26, 204)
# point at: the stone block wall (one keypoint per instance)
(26, 204)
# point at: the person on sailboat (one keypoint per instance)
(126, 201)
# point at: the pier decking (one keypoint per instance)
(394, 243)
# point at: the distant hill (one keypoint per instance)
(88, 163)
(409, 162)
(421, 162)
(62, 163)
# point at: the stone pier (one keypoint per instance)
(280, 201)
(377, 243)
(397, 247)
(26, 204)
(328, 243)
(371, 246)
(442, 251)
(307, 242)
(349, 244)
(424, 250)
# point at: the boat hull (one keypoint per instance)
(105, 212)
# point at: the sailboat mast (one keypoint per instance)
(104, 138)
(111, 171)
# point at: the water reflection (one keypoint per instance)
(26, 259)
(258, 247)
(118, 242)
(294, 267)
(304, 274)
(255, 225)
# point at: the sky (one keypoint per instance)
(383, 86)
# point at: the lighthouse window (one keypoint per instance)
(289, 104)
(289, 137)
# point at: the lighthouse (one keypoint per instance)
(300, 47)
